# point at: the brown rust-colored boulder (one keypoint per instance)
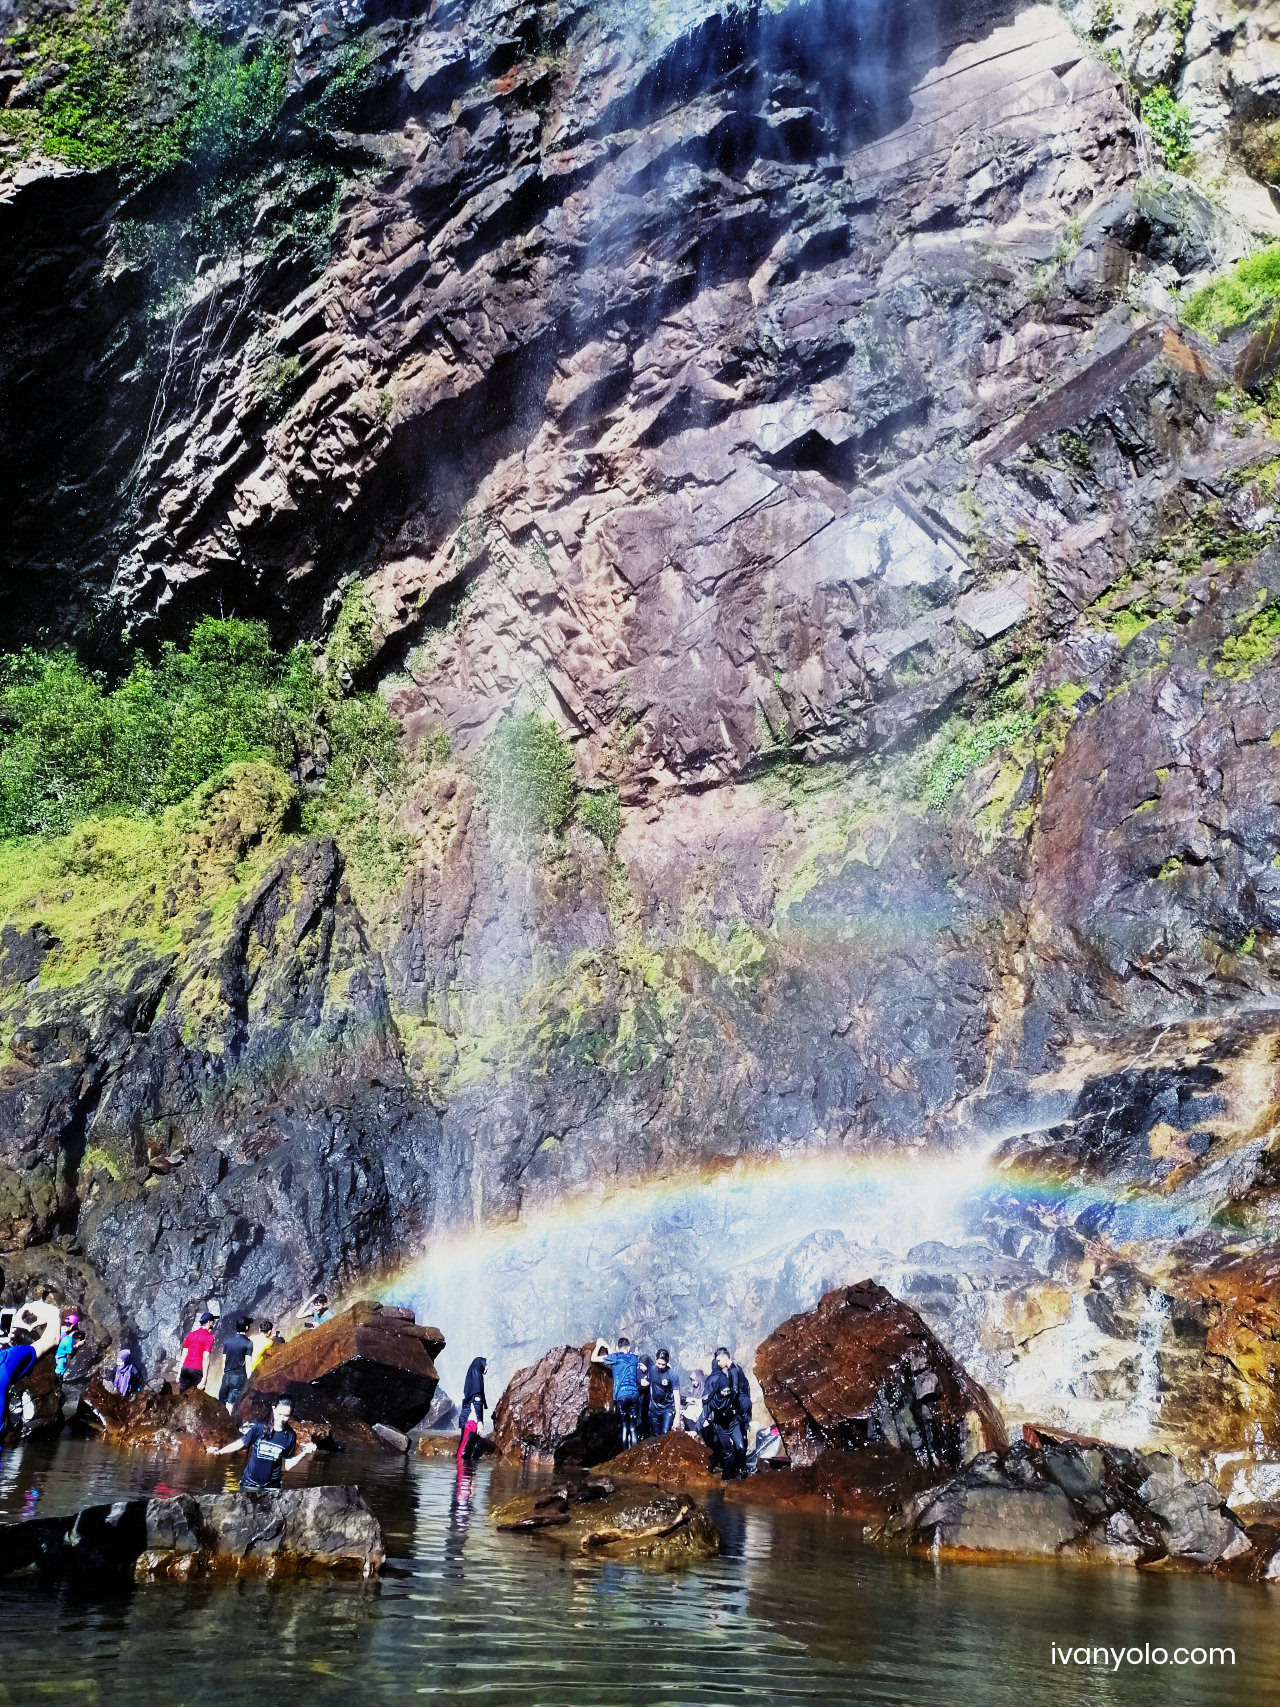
(166, 1422)
(863, 1369)
(373, 1362)
(560, 1408)
(675, 1460)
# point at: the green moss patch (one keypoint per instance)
(1251, 286)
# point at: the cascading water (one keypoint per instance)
(688, 1262)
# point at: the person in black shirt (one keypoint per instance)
(663, 1387)
(235, 1349)
(270, 1448)
(726, 1415)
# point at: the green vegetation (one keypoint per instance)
(1251, 286)
(599, 813)
(526, 775)
(1169, 123)
(142, 93)
(1255, 644)
(967, 745)
(72, 747)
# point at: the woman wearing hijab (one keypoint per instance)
(471, 1412)
(125, 1376)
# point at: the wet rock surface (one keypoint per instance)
(372, 1363)
(752, 411)
(1060, 1497)
(864, 1369)
(867, 1485)
(166, 1422)
(559, 1408)
(292, 1531)
(675, 1460)
(662, 1530)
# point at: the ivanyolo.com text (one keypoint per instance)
(1114, 1658)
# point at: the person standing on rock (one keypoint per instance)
(67, 1345)
(270, 1448)
(315, 1311)
(624, 1366)
(196, 1351)
(471, 1412)
(664, 1395)
(236, 1348)
(726, 1414)
(262, 1342)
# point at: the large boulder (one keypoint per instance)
(863, 1369)
(560, 1408)
(865, 1485)
(1076, 1497)
(164, 1422)
(373, 1364)
(271, 1533)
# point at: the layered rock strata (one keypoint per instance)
(797, 412)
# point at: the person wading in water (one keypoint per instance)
(270, 1447)
(471, 1412)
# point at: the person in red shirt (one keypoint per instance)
(195, 1354)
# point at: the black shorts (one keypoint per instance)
(188, 1379)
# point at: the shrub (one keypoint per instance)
(70, 748)
(144, 93)
(600, 814)
(967, 745)
(1169, 123)
(1250, 286)
(526, 774)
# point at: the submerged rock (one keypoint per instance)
(1055, 1495)
(272, 1533)
(866, 1485)
(373, 1364)
(863, 1369)
(663, 1530)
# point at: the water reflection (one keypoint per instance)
(794, 1610)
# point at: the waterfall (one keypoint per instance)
(1139, 1422)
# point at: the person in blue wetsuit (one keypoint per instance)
(16, 1360)
(625, 1368)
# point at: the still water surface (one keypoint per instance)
(795, 1609)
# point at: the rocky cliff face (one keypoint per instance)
(791, 403)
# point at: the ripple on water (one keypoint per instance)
(794, 1609)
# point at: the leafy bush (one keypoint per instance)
(143, 93)
(526, 774)
(1169, 123)
(967, 745)
(599, 813)
(71, 748)
(1250, 286)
